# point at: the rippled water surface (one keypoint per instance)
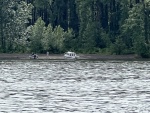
(79, 87)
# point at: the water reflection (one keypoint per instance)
(80, 86)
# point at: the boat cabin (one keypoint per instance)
(70, 55)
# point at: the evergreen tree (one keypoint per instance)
(134, 27)
(14, 17)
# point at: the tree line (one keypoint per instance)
(84, 26)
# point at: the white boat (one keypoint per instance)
(70, 55)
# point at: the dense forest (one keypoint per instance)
(84, 26)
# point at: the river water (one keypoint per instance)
(74, 87)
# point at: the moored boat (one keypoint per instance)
(33, 56)
(70, 55)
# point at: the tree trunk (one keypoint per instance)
(1, 28)
(145, 22)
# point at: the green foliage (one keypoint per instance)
(13, 24)
(47, 41)
(133, 29)
(88, 41)
(141, 48)
(88, 26)
(118, 47)
(37, 36)
(69, 41)
(56, 40)
(22, 16)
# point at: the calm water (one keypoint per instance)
(78, 87)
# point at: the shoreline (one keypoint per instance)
(14, 56)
